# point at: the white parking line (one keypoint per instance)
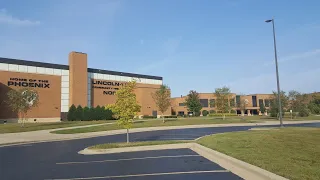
(129, 159)
(154, 174)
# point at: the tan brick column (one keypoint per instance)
(78, 79)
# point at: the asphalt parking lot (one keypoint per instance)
(162, 164)
(39, 160)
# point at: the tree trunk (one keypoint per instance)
(163, 118)
(127, 135)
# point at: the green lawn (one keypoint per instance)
(290, 152)
(132, 144)
(16, 127)
(156, 123)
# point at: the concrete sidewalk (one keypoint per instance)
(45, 135)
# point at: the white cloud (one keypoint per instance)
(303, 55)
(6, 18)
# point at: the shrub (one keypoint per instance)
(304, 112)
(148, 117)
(79, 113)
(91, 113)
(72, 113)
(107, 114)
(233, 111)
(172, 116)
(212, 111)
(205, 112)
(86, 114)
(220, 115)
(197, 114)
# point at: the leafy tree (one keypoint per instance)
(205, 112)
(79, 113)
(298, 103)
(21, 101)
(222, 102)
(274, 106)
(126, 106)
(86, 113)
(192, 102)
(314, 104)
(162, 98)
(262, 108)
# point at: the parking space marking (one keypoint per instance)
(129, 159)
(153, 174)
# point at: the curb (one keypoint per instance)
(136, 130)
(238, 167)
(135, 149)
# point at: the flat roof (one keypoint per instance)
(66, 67)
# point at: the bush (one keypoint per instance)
(212, 112)
(86, 114)
(148, 117)
(79, 113)
(220, 115)
(72, 113)
(197, 114)
(172, 116)
(205, 112)
(108, 115)
(233, 111)
(304, 112)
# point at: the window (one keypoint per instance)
(260, 102)
(232, 103)
(180, 113)
(212, 103)
(254, 101)
(238, 99)
(182, 104)
(267, 103)
(204, 102)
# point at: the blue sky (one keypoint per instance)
(193, 44)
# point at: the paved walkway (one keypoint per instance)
(45, 135)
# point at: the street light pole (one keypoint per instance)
(277, 71)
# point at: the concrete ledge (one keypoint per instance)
(135, 149)
(238, 167)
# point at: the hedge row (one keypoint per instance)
(88, 114)
(153, 117)
(220, 114)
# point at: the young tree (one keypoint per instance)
(262, 108)
(126, 106)
(242, 104)
(222, 102)
(193, 102)
(162, 98)
(274, 106)
(21, 101)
